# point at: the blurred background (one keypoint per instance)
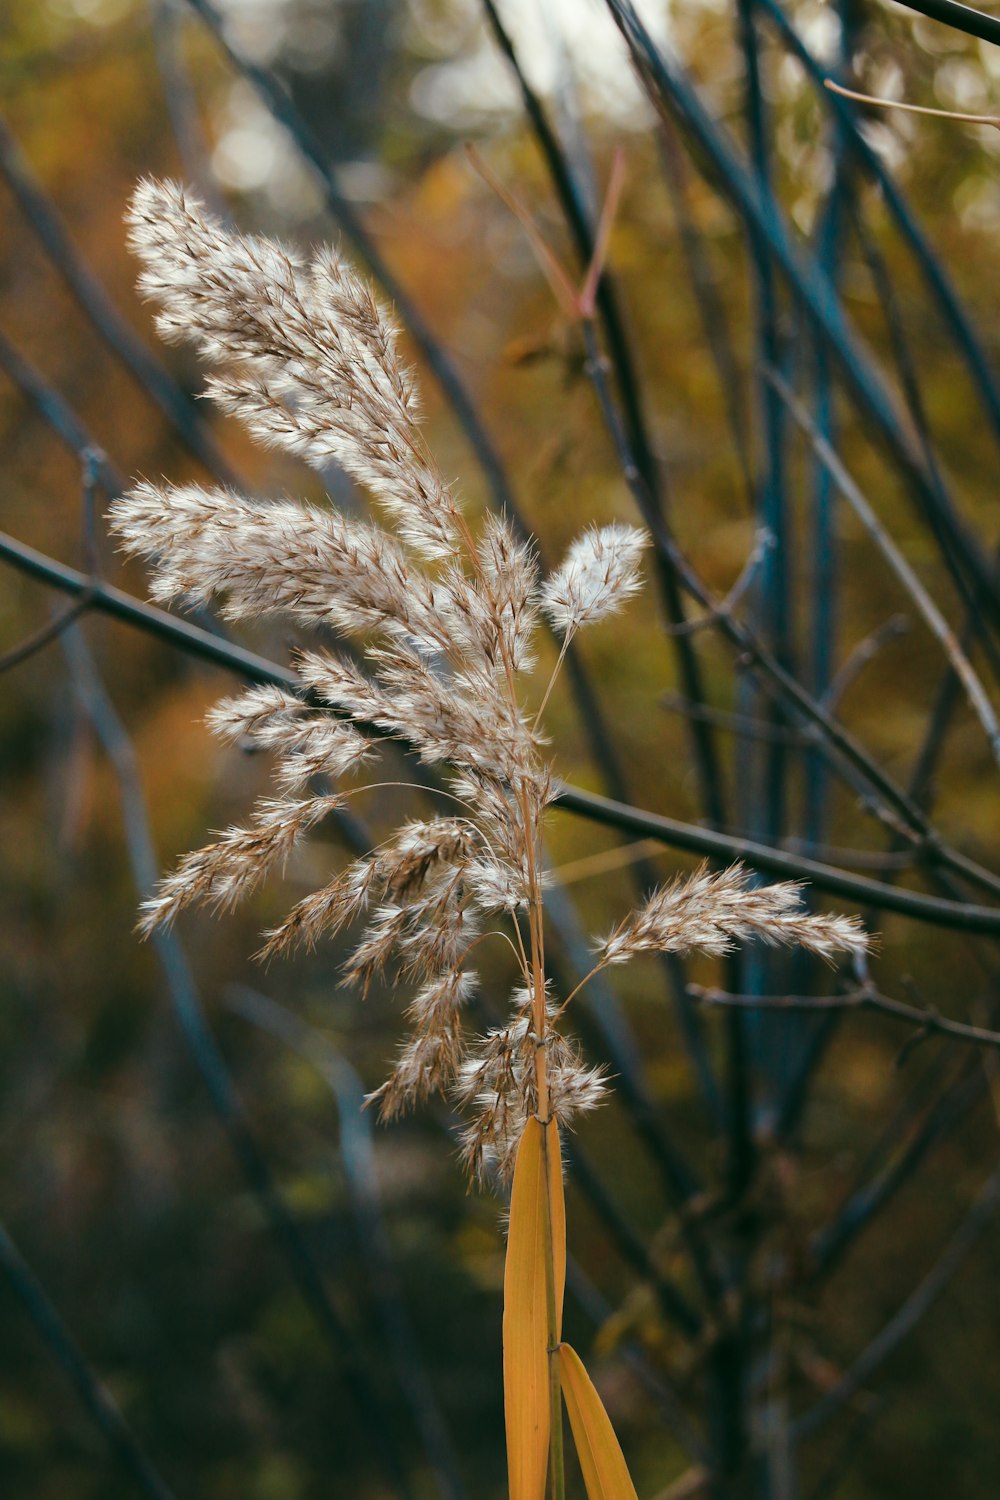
(284, 1299)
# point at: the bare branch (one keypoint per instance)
(928, 1022)
(910, 1314)
(932, 616)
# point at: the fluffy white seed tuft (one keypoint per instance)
(307, 354)
(598, 574)
(711, 913)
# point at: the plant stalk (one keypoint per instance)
(557, 1481)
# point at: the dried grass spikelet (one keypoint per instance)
(447, 619)
(498, 1084)
(600, 571)
(712, 912)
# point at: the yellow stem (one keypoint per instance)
(536, 930)
(557, 1479)
(532, 853)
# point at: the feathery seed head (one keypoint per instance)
(600, 571)
(711, 913)
(304, 355)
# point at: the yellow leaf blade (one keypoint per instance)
(525, 1318)
(601, 1460)
(557, 1213)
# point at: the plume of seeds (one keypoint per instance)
(304, 355)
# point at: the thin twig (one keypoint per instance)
(738, 724)
(669, 89)
(93, 461)
(710, 305)
(358, 1156)
(105, 318)
(948, 695)
(599, 864)
(913, 109)
(744, 638)
(629, 1243)
(929, 1022)
(57, 412)
(933, 617)
(572, 201)
(939, 911)
(208, 1058)
(91, 1389)
(763, 544)
(863, 653)
(182, 100)
(913, 1310)
(864, 1205)
(863, 1424)
(45, 634)
(823, 610)
(694, 1481)
(959, 17)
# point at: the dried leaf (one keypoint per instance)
(601, 1459)
(525, 1320)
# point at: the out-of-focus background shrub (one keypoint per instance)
(118, 1178)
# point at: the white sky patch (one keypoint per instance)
(255, 28)
(465, 83)
(304, 33)
(819, 27)
(94, 12)
(477, 86)
(255, 154)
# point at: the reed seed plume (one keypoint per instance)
(447, 619)
(307, 356)
(599, 573)
(712, 913)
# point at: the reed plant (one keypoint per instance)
(441, 617)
